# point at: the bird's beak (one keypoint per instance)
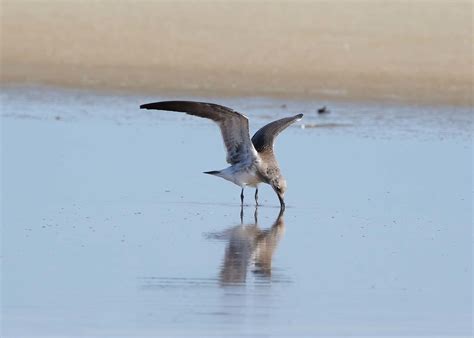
(282, 201)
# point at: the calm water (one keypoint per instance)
(109, 227)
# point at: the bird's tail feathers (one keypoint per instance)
(212, 172)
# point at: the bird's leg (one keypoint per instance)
(256, 196)
(255, 215)
(241, 214)
(242, 197)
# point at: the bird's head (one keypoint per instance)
(279, 185)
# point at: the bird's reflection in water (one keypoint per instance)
(249, 248)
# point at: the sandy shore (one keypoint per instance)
(418, 51)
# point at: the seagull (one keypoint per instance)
(252, 161)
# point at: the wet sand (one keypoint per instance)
(418, 52)
(109, 227)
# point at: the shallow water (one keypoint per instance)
(109, 227)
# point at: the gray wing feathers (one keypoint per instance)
(207, 110)
(265, 137)
(234, 126)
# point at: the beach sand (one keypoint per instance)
(419, 52)
(109, 227)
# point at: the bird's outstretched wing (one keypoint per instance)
(265, 137)
(234, 126)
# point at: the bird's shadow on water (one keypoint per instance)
(249, 248)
